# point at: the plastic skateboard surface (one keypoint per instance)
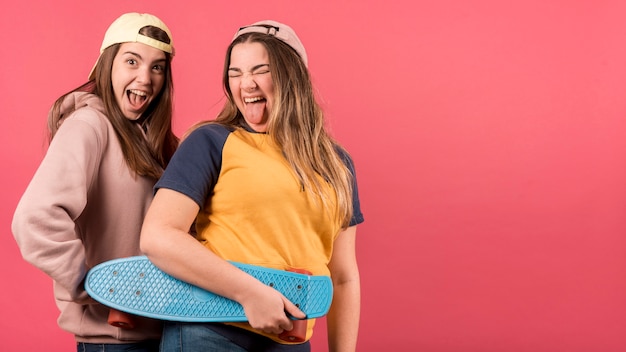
(134, 285)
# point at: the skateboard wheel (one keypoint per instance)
(298, 333)
(121, 319)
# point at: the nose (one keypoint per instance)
(247, 81)
(144, 75)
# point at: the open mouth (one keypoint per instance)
(136, 97)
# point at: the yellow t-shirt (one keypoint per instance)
(253, 209)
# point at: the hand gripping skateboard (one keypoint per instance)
(134, 285)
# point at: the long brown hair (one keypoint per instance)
(146, 155)
(296, 124)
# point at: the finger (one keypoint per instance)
(275, 330)
(293, 311)
(288, 326)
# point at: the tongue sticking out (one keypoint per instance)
(136, 100)
(255, 110)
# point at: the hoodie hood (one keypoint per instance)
(78, 100)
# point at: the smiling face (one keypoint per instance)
(137, 76)
(251, 83)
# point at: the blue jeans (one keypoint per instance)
(194, 337)
(144, 346)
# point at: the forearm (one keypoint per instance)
(182, 256)
(343, 317)
(47, 239)
(167, 243)
(44, 220)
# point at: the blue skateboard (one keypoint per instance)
(134, 285)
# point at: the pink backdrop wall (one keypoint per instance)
(488, 138)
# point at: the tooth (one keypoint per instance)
(251, 100)
(138, 92)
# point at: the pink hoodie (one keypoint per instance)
(82, 207)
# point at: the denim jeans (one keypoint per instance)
(194, 337)
(144, 346)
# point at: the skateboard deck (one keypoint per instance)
(134, 285)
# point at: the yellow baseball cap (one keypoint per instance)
(280, 31)
(125, 29)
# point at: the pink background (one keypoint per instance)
(488, 138)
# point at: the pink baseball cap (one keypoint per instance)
(280, 31)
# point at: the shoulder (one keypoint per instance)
(84, 128)
(210, 130)
(88, 111)
(204, 144)
(195, 166)
(91, 117)
(212, 134)
(344, 156)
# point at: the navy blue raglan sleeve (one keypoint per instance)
(357, 215)
(196, 164)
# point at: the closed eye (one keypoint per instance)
(256, 70)
(234, 72)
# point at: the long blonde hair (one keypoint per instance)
(296, 124)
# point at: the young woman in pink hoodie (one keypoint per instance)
(110, 140)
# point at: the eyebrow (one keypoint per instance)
(131, 53)
(141, 58)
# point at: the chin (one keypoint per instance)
(132, 115)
